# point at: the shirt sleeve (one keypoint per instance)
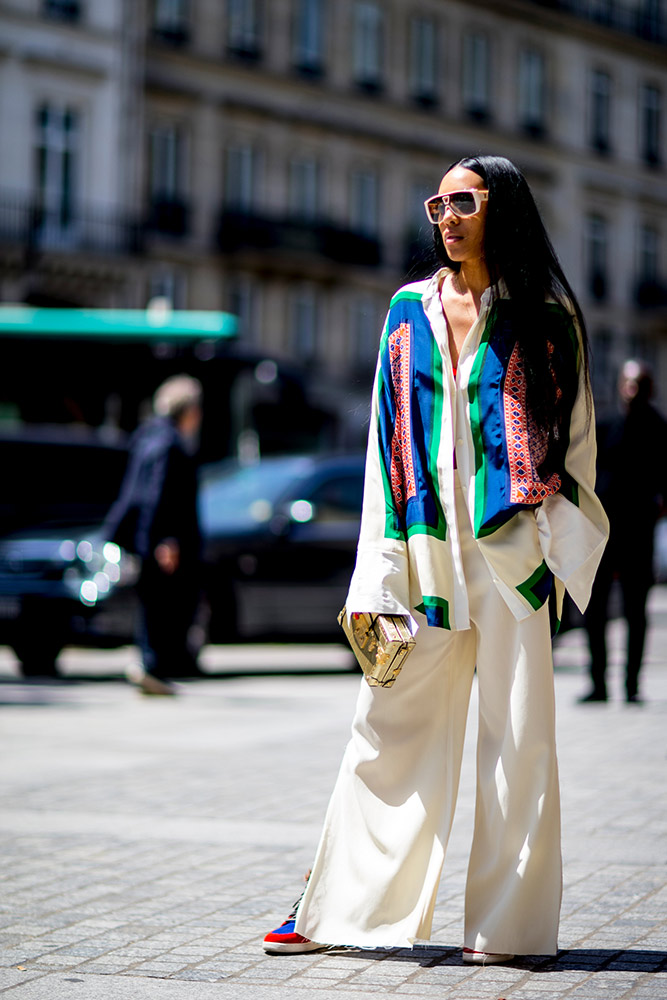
(380, 582)
(572, 525)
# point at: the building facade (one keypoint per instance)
(70, 122)
(271, 157)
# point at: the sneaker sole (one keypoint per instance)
(275, 948)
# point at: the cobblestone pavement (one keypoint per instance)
(148, 844)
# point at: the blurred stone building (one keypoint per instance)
(271, 157)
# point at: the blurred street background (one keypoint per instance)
(233, 189)
(270, 160)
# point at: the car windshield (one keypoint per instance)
(57, 482)
(236, 498)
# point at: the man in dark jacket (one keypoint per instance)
(632, 485)
(155, 517)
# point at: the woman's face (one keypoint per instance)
(463, 238)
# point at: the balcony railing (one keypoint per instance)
(643, 20)
(23, 221)
(169, 216)
(175, 33)
(62, 10)
(239, 230)
(651, 294)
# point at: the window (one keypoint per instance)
(56, 168)
(419, 258)
(243, 301)
(166, 163)
(364, 326)
(304, 183)
(62, 10)
(240, 177)
(600, 111)
(476, 75)
(596, 256)
(643, 347)
(243, 28)
(602, 369)
(600, 11)
(649, 252)
(367, 44)
(308, 39)
(165, 283)
(649, 123)
(303, 323)
(651, 20)
(364, 191)
(532, 91)
(651, 291)
(171, 20)
(422, 71)
(167, 180)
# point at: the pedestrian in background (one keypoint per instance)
(478, 509)
(155, 517)
(632, 485)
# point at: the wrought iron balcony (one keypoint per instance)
(62, 10)
(645, 20)
(651, 294)
(321, 238)
(35, 227)
(169, 216)
(174, 31)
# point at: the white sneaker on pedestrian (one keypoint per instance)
(484, 957)
(147, 683)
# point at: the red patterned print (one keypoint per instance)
(526, 444)
(403, 484)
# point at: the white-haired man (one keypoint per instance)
(155, 516)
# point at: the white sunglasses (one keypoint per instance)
(462, 203)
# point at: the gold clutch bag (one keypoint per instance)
(380, 644)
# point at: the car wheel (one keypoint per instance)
(39, 638)
(38, 659)
(222, 625)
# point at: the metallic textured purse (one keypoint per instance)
(380, 644)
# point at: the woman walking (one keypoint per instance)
(479, 511)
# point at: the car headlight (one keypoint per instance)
(96, 569)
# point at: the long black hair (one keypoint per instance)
(518, 250)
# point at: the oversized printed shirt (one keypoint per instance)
(429, 425)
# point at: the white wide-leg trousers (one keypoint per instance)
(376, 873)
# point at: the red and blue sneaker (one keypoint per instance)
(285, 941)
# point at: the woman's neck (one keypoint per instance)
(473, 277)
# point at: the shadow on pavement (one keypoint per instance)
(607, 959)
(575, 959)
(45, 691)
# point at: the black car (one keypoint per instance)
(280, 542)
(61, 583)
(279, 545)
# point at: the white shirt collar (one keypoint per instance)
(432, 290)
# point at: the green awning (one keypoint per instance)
(116, 324)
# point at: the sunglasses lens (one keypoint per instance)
(463, 203)
(436, 210)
